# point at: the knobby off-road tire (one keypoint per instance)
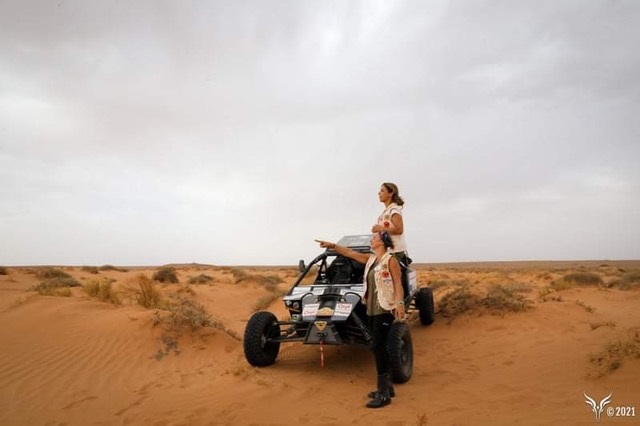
(400, 352)
(258, 350)
(425, 305)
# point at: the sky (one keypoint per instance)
(237, 132)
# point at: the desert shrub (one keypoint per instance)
(59, 286)
(90, 269)
(200, 279)
(149, 296)
(561, 284)
(500, 298)
(458, 302)
(4, 270)
(583, 278)
(436, 284)
(628, 281)
(239, 275)
(264, 302)
(611, 357)
(112, 268)
(166, 274)
(187, 313)
(102, 290)
(269, 281)
(51, 273)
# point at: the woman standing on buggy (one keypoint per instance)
(391, 221)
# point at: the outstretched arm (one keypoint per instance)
(345, 251)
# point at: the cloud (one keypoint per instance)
(238, 132)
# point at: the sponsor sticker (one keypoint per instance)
(342, 309)
(310, 310)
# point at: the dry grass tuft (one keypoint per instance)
(59, 286)
(498, 300)
(612, 356)
(422, 419)
(501, 298)
(166, 274)
(148, 296)
(185, 313)
(446, 283)
(102, 290)
(51, 273)
(4, 270)
(458, 302)
(583, 278)
(270, 282)
(265, 301)
(628, 281)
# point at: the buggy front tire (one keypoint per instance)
(400, 352)
(259, 348)
(424, 303)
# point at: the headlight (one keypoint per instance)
(309, 298)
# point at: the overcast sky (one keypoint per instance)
(236, 132)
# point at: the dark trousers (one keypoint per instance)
(380, 326)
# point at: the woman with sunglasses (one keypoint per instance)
(391, 220)
(384, 301)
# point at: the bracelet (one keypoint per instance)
(400, 302)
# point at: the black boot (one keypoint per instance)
(392, 391)
(382, 396)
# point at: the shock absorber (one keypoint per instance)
(363, 328)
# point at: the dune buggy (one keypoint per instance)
(329, 309)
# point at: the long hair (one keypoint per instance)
(393, 188)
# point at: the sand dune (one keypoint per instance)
(80, 361)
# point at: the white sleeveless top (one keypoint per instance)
(384, 220)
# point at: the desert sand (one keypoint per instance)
(78, 360)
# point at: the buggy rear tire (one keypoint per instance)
(259, 349)
(424, 303)
(400, 352)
